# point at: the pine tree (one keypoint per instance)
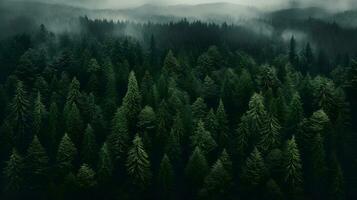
(53, 127)
(173, 149)
(203, 139)
(217, 183)
(146, 89)
(273, 191)
(270, 134)
(118, 140)
(20, 115)
(89, 146)
(243, 136)
(105, 168)
(165, 178)
(254, 172)
(222, 122)
(210, 91)
(292, 52)
(211, 124)
(132, 101)
(292, 167)
(74, 124)
(226, 161)
(172, 66)
(199, 109)
(256, 114)
(36, 164)
(14, 174)
(196, 170)
(38, 114)
(147, 119)
(295, 113)
(138, 164)
(66, 154)
(86, 177)
(74, 93)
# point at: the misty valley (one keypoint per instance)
(166, 101)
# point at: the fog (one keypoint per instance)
(337, 5)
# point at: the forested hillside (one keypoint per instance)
(181, 110)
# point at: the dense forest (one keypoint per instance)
(190, 110)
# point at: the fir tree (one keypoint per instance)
(196, 170)
(66, 154)
(89, 146)
(36, 164)
(38, 114)
(14, 174)
(217, 183)
(20, 115)
(270, 134)
(132, 101)
(86, 177)
(222, 122)
(118, 140)
(199, 109)
(74, 124)
(105, 168)
(203, 139)
(292, 168)
(165, 178)
(254, 172)
(138, 164)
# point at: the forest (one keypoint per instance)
(179, 110)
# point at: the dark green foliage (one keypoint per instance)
(138, 164)
(203, 139)
(215, 117)
(165, 182)
(14, 174)
(66, 154)
(196, 170)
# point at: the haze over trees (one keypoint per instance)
(193, 110)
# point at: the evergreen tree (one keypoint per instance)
(147, 119)
(226, 161)
(36, 164)
(295, 113)
(292, 168)
(20, 115)
(292, 52)
(14, 174)
(217, 183)
(199, 109)
(74, 124)
(138, 164)
(165, 179)
(118, 140)
(256, 114)
(38, 114)
(203, 139)
(86, 177)
(270, 134)
(196, 170)
(66, 154)
(222, 121)
(254, 172)
(89, 146)
(132, 101)
(105, 167)
(273, 191)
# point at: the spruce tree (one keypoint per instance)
(105, 167)
(254, 172)
(89, 147)
(211, 124)
(295, 113)
(226, 161)
(118, 140)
(19, 115)
(132, 101)
(256, 114)
(14, 174)
(66, 154)
(270, 134)
(74, 124)
(203, 139)
(217, 183)
(199, 109)
(138, 164)
(222, 121)
(292, 168)
(86, 177)
(196, 170)
(38, 114)
(147, 119)
(36, 164)
(165, 178)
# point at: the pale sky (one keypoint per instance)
(333, 4)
